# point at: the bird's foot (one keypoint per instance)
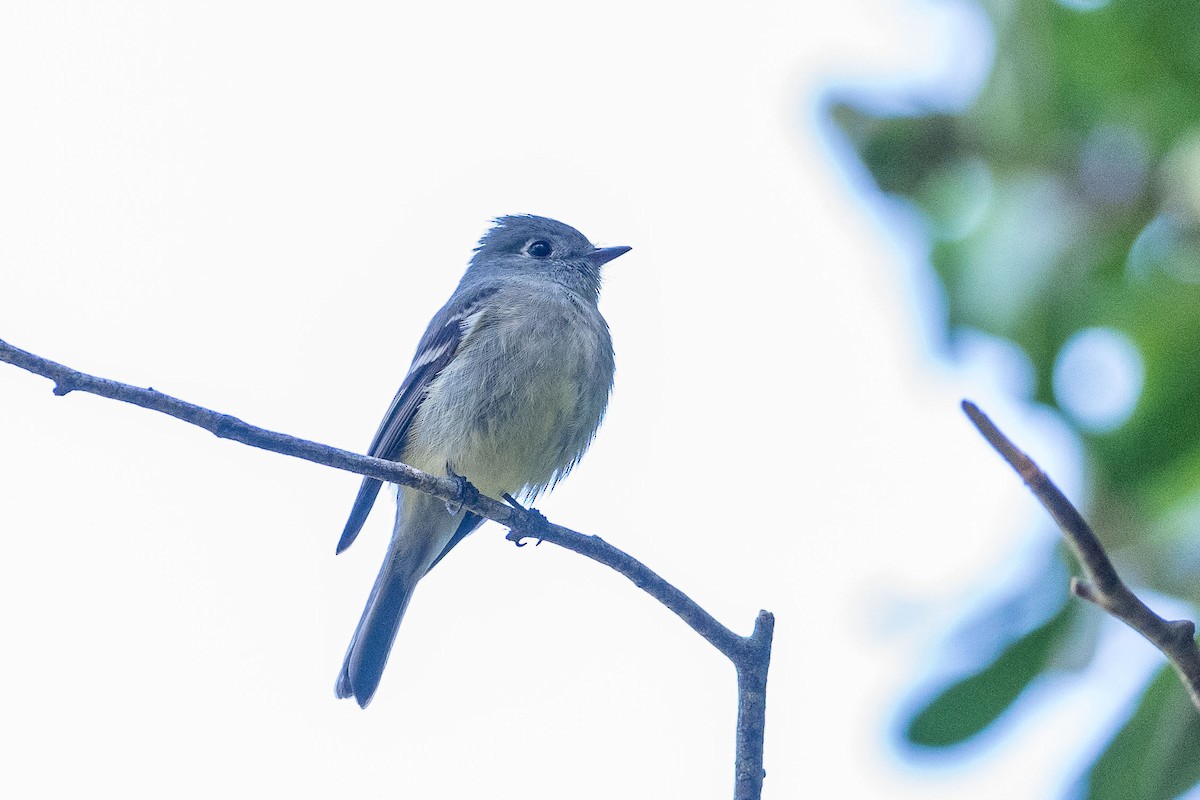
(531, 519)
(467, 493)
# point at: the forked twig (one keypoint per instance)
(1100, 585)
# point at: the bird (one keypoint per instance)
(506, 391)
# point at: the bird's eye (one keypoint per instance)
(539, 249)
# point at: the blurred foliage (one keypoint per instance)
(1157, 752)
(966, 707)
(1063, 202)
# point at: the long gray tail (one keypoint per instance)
(372, 640)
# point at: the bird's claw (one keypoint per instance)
(467, 493)
(532, 518)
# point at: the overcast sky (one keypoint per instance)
(257, 206)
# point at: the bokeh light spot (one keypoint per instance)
(1098, 378)
(1169, 245)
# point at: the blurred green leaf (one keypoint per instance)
(1064, 198)
(967, 707)
(1156, 755)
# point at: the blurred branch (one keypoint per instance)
(1101, 584)
(750, 655)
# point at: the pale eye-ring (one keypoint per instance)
(539, 249)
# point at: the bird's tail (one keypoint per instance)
(372, 640)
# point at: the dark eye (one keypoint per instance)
(539, 249)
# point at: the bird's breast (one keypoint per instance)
(521, 400)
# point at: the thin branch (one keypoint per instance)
(750, 655)
(1101, 584)
(752, 707)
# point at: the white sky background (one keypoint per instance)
(257, 207)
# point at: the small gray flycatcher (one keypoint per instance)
(507, 389)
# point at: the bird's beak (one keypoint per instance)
(602, 255)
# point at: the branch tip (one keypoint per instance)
(1015, 457)
(764, 625)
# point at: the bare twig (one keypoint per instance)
(1101, 584)
(750, 655)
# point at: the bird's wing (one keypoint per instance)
(438, 347)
